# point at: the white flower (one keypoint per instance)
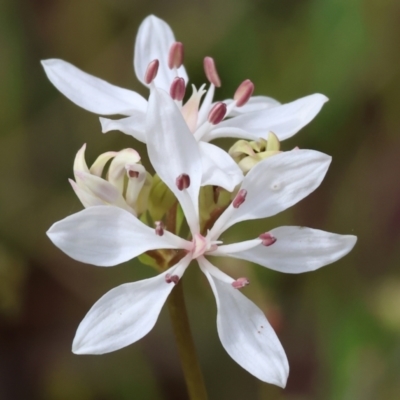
(255, 117)
(107, 236)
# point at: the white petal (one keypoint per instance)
(255, 103)
(219, 168)
(296, 250)
(133, 126)
(174, 151)
(274, 185)
(246, 334)
(103, 189)
(153, 41)
(284, 120)
(123, 315)
(80, 162)
(85, 196)
(107, 236)
(91, 93)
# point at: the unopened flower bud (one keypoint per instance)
(151, 71)
(175, 55)
(211, 71)
(243, 92)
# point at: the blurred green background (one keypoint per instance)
(340, 326)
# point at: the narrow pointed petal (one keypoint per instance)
(91, 93)
(297, 249)
(86, 197)
(102, 189)
(284, 120)
(173, 151)
(246, 334)
(153, 41)
(255, 103)
(117, 169)
(274, 185)
(133, 125)
(219, 168)
(106, 236)
(98, 166)
(123, 315)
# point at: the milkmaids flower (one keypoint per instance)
(109, 235)
(241, 117)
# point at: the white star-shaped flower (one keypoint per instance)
(243, 117)
(108, 235)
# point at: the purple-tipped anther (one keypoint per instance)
(211, 71)
(177, 89)
(267, 239)
(175, 55)
(183, 181)
(243, 92)
(240, 198)
(159, 228)
(240, 283)
(172, 278)
(151, 71)
(217, 113)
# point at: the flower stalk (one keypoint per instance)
(186, 348)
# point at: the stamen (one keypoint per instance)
(172, 278)
(211, 71)
(243, 92)
(159, 228)
(267, 239)
(240, 283)
(177, 89)
(217, 113)
(133, 174)
(240, 198)
(151, 71)
(175, 56)
(183, 181)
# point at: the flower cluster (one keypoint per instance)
(254, 180)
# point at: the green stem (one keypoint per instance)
(187, 351)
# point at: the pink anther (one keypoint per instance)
(217, 113)
(267, 239)
(172, 278)
(240, 198)
(175, 55)
(133, 174)
(159, 228)
(243, 92)
(183, 181)
(177, 89)
(240, 283)
(151, 71)
(211, 71)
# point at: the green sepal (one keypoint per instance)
(147, 260)
(161, 199)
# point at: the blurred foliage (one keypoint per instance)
(340, 325)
